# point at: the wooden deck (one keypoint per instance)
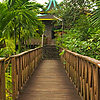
(49, 82)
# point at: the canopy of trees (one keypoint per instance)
(18, 23)
(81, 19)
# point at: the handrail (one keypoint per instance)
(84, 72)
(20, 54)
(23, 65)
(2, 79)
(92, 60)
(20, 68)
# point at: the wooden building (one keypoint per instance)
(47, 18)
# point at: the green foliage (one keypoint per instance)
(18, 22)
(70, 12)
(95, 16)
(8, 82)
(63, 51)
(81, 25)
(9, 48)
(89, 47)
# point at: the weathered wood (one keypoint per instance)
(2, 79)
(42, 40)
(22, 70)
(85, 71)
(13, 61)
(49, 82)
(98, 84)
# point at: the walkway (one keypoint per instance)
(49, 82)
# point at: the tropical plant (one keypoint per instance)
(70, 11)
(82, 36)
(18, 24)
(19, 17)
(95, 16)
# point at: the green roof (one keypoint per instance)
(51, 4)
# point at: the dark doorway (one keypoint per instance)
(53, 33)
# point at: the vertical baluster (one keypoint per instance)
(69, 66)
(29, 62)
(2, 80)
(13, 61)
(98, 82)
(19, 76)
(34, 59)
(77, 73)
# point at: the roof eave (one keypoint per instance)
(47, 19)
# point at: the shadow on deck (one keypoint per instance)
(49, 82)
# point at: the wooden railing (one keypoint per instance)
(84, 72)
(2, 79)
(20, 67)
(39, 41)
(23, 65)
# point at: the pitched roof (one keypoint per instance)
(52, 4)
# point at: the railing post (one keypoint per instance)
(29, 71)
(98, 83)
(42, 40)
(34, 59)
(21, 70)
(13, 62)
(19, 76)
(2, 79)
(84, 73)
(77, 74)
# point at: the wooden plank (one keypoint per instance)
(13, 62)
(98, 84)
(2, 80)
(21, 70)
(49, 82)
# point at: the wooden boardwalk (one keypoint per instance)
(49, 82)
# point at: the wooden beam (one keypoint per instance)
(48, 19)
(2, 79)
